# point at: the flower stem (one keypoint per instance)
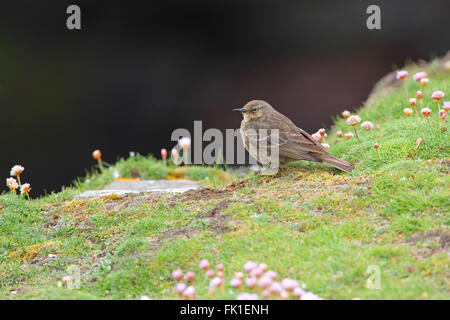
(186, 156)
(356, 133)
(439, 113)
(100, 164)
(404, 86)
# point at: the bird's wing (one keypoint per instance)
(298, 144)
(294, 142)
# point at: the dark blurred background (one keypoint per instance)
(139, 69)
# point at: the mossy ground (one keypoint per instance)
(309, 222)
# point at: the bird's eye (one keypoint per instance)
(254, 110)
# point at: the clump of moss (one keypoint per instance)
(142, 167)
(149, 168)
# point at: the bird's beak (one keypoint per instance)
(240, 110)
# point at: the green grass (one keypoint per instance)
(309, 222)
(149, 168)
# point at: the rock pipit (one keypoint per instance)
(293, 143)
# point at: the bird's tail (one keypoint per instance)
(337, 163)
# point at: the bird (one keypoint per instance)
(293, 143)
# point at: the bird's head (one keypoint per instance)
(255, 110)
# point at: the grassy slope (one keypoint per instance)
(311, 223)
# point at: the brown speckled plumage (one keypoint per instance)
(294, 143)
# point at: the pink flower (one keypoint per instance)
(204, 264)
(289, 284)
(298, 292)
(419, 75)
(340, 134)
(271, 274)
(419, 95)
(210, 274)
(185, 143)
(310, 296)
(12, 184)
(321, 132)
(263, 266)
(97, 155)
(25, 188)
(189, 292)
(215, 282)
(275, 287)
(353, 120)
(220, 267)
(175, 155)
(408, 111)
(239, 275)
(402, 74)
(180, 287)
(316, 136)
(443, 114)
(376, 145)
(425, 112)
(250, 265)
(265, 281)
(177, 274)
(247, 296)
(367, 125)
(424, 81)
(190, 276)
(345, 114)
(145, 298)
(256, 272)
(236, 283)
(413, 102)
(326, 146)
(163, 154)
(437, 95)
(377, 127)
(265, 294)
(251, 282)
(446, 106)
(220, 274)
(349, 135)
(16, 171)
(418, 141)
